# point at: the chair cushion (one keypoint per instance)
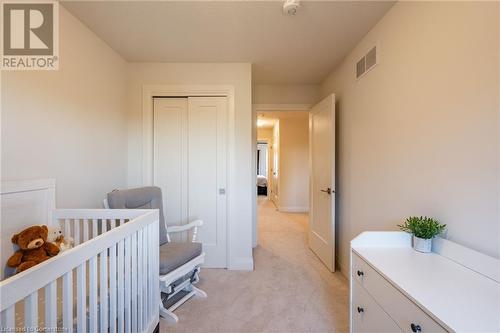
(148, 197)
(174, 255)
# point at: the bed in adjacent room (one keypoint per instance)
(261, 185)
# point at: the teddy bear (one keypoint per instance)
(33, 248)
(56, 236)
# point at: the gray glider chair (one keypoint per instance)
(179, 261)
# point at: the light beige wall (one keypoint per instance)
(68, 124)
(285, 94)
(265, 134)
(419, 135)
(242, 180)
(294, 163)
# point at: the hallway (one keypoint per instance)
(289, 291)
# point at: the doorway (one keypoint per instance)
(301, 175)
(262, 168)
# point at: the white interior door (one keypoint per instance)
(322, 180)
(190, 137)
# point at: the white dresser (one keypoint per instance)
(396, 289)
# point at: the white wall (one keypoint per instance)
(419, 134)
(68, 124)
(242, 180)
(285, 94)
(294, 162)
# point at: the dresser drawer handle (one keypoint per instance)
(360, 273)
(415, 328)
(360, 310)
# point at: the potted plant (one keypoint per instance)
(424, 229)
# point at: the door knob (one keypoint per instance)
(415, 328)
(328, 190)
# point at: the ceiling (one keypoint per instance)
(299, 49)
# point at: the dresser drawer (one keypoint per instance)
(367, 315)
(409, 317)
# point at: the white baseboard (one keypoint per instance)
(241, 264)
(294, 209)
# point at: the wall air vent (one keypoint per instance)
(366, 63)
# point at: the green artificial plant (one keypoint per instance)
(422, 227)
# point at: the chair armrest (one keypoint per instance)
(185, 227)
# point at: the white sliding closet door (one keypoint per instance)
(190, 156)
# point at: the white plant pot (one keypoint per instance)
(422, 245)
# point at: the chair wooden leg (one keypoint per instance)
(198, 292)
(168, 315)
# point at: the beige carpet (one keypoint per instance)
(289, 290)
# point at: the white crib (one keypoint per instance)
(107, 283)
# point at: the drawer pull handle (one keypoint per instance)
(415, 328)
(360, 273)
(360, 310)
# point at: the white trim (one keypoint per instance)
(242, 264)
(151, 91)
(27, 185)
(10, 186)
(294, 209)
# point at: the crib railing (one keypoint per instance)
(108, 282)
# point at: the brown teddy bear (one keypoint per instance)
(33, 248)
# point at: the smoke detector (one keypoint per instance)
(290, 7)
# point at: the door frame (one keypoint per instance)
(256, 108)
(149, 92)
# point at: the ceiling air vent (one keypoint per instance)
(366, 63)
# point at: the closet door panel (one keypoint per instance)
(207, 119)
(170, 157)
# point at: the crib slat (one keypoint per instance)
(120, 264)
(152, 270)
(103, 290)
(51, 305)
(9, 319)
(81, 297)
(150, 289)
(67, 299)
(86, 230)
(76, 227)
(156, 267)
(145, 276)
(104, 226)
(139, 280)
(93, 293)
(127, 290)
(67, 227)
(134, 282)
(31, 311)
(112, 287)
(94, 227)
(113, 223)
